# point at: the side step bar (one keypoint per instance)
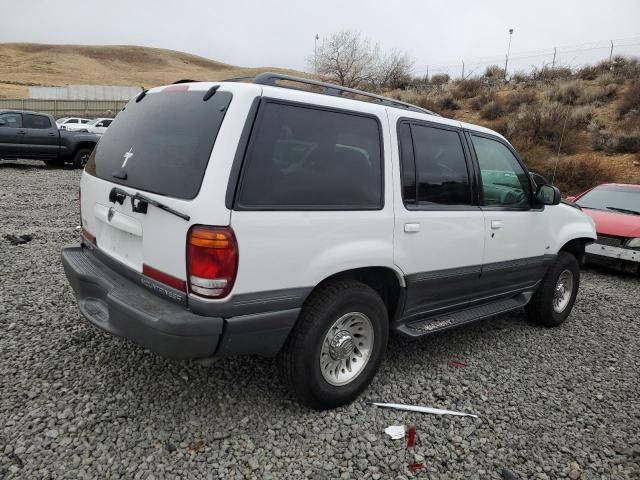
(461, 317)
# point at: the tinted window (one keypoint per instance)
(611, 197)
(13, 120)
(36, 121)
(106, 123)
(84, 120)
(408, 164)
(441, 167)
(162, 144)
(72, 120)
(302, 157)
(504, 181)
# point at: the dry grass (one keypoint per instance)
(23, 65)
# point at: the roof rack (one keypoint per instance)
(270, 78)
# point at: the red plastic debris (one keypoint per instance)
(416, 467)
(456, 363)
(411, 437)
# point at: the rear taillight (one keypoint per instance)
(212, 261)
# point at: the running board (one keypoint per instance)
(461, 317)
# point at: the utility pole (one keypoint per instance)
(506, 62)
(462, 78)
(553, 64)
(315, 53)
(611, 53)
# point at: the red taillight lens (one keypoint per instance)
(212, 260)
(164, 278)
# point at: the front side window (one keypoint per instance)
(307, 158)
(504, 181)
(11, 120)
(36, 121)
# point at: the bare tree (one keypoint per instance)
(393, 70)
(350, 60)
(347, 59)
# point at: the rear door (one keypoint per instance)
(42, 135)
(439, 228)
(160, 147)
(516, 234)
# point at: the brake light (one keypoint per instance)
(212, 260)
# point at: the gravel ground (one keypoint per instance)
(77, 403)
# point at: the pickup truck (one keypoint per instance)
(35, 136)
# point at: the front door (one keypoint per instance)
(515, 232)
(439, 232)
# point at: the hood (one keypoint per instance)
(615, 224)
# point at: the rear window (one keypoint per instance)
(161, 144)
(307, 158)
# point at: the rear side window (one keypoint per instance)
(161, 144)
(11, 120)
(36, 121)
(440, 176)
(306, 158)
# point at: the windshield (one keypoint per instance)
(612, 198)
(161, 144)
(93, 122)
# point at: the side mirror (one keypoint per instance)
(548, 195)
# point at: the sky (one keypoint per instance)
(280, 33)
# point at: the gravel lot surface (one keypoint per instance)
(77, 403)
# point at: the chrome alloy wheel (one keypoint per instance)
(346, 348)
(563, 291)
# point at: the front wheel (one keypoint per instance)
(81, 157)
(337, 345)
(552, 303)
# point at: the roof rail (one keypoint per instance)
(270, 78)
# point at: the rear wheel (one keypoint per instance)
(81, 157)
(552, 303)
(337, 345)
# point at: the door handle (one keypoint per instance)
(496, 224)
(21, 132)
(51, 134)
(411, 227)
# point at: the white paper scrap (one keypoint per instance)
(395, 431)
(416, 408)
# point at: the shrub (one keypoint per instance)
(492, 110)
(575, 175)
(519, 97)
(440, 79)
(481, 100)
(576, 92)
(546, 73)
(630, 100)
(520, 77)
(468, 88)
(544, 123)
(493, 74)
(624, 138)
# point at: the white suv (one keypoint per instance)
(254, 218)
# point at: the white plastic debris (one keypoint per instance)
(395, 431)
(416, 408)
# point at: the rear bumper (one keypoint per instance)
(118, 305)
(612, 253)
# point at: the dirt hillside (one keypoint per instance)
(27, 64)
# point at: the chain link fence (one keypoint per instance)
(65, 108)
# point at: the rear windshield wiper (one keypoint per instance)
(624, 210)
(140, 203)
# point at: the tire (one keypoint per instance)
(81, 157)
(310, 345)
(542, 308)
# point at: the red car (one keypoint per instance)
(615, 208)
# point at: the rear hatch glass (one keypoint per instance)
(161, 144)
